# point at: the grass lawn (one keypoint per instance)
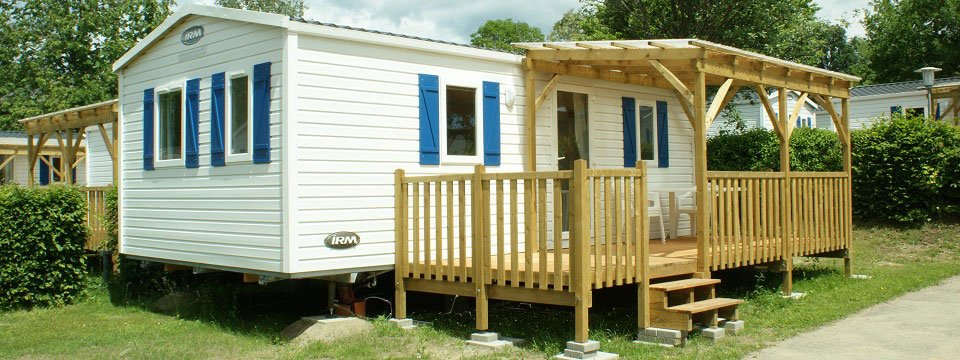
(900, 260)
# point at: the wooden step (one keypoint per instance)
(683, 284)
(705, 305)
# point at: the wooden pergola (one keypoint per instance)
(693, 70)
(950, 92)
(69, 128)
(13, 150)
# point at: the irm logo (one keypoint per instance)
(342, 240)
(191, 35)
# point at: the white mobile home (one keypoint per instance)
(247, 138)
(871, 102)
(14, 165)
(753, 115)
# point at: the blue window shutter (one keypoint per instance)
(491, 123)
(896, 110)
(938, 112)
(44, 172)
(73, 175)
(192, 124)
(629, 132)
(148, 129)
(261, 113)
(429, 119)
(217, 103)
(663, 135)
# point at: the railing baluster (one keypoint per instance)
(450, 234)
(608, 231)
(557, 234)
(618, 220)
(542, 279)
(514, 236)
(462, 198)
(501, 256)
(597, 222)
(416, 229)
(529, 222)
(438, 269)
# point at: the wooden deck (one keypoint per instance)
(675, 257)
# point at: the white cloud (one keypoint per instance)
(455, 20)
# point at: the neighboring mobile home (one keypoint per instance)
(752, 114)
(284, 148)
(14, 164)
(869, 103)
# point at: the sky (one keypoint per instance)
(455, 20)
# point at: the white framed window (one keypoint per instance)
(646, 131)
(461, 122)
(239, 134)
(169, 117)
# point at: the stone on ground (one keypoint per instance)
(324, 329)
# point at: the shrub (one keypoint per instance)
(42, 235)
(759, 150)
(905, 170)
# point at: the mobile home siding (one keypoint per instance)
(99, 165)
(358, 118)
(228, 216)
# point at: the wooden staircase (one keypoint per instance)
(681, 304)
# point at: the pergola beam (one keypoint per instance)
(797, 107)
(566, 54)
(718, 68)
(673, 80)
(547, 90)
(827, 104)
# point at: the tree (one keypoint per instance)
(786, 29)
(291, 8)
(498, 34)
(579, 25)
(909, 34)
(57, 54)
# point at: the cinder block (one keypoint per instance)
(406, 324)
(713, 333)
(588, 346)
(733, 327)
(597, 355)
(485, 336)
(669, 334)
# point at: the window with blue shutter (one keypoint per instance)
(491, 123)
(261, 113)
(44, 172)
(429, 119)
(148, 129)
(663, 137)
(192, 124)
(896, 109)
(217, 104)
(629, 132)
(937, 116)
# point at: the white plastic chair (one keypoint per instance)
(686, 204)
(655, 211)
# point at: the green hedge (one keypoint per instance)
(759, 150)
(906, 171)
(42, 235)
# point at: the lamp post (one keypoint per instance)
(927, 74)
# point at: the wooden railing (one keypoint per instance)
(820, 211)
(548, 237)
(520, 228)
(751, 213)
(96, 210)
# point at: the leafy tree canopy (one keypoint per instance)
(291, 8)
(909, 34)
(498, 34)
(57, 54)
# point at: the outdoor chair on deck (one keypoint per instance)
(654, 210)
(686, 204)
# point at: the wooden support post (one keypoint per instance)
(530, 125)
(700, 167)
(400, 247)
(480, 260)
(641, 235)
(786, 220)
(847, 168)
(31, 162)
(580, 259)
